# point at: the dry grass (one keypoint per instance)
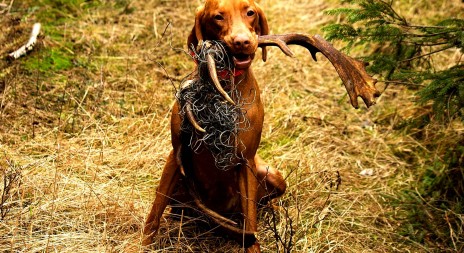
(89, 135)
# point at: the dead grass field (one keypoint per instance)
(84, 124)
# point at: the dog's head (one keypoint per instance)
(235, 22)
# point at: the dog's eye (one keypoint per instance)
(250, 13)
(219, 17)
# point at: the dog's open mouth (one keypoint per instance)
(243, 61)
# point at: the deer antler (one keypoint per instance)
(249, 237)
(352, 72)
(214, 77)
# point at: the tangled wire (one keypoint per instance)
(222, 121)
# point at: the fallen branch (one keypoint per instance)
(29, 45)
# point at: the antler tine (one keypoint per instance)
(264, 41)
(188, 108)
(215, 79)
(222, 221)
(352, 72)
(191, 117)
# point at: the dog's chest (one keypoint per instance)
(218, 189)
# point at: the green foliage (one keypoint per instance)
(59, 11)
(446, 90)
(401, 51)
(53, 15)
(446, 178)
(53, 60)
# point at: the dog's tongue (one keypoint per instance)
(242, 62)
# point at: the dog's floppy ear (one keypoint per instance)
(263, 27)
(196, 33)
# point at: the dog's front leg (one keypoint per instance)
(169, 178)
(248, 184)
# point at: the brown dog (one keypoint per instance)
(238, 190)
(248, 181)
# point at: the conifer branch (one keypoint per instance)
(427, 54)
(397, 51)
